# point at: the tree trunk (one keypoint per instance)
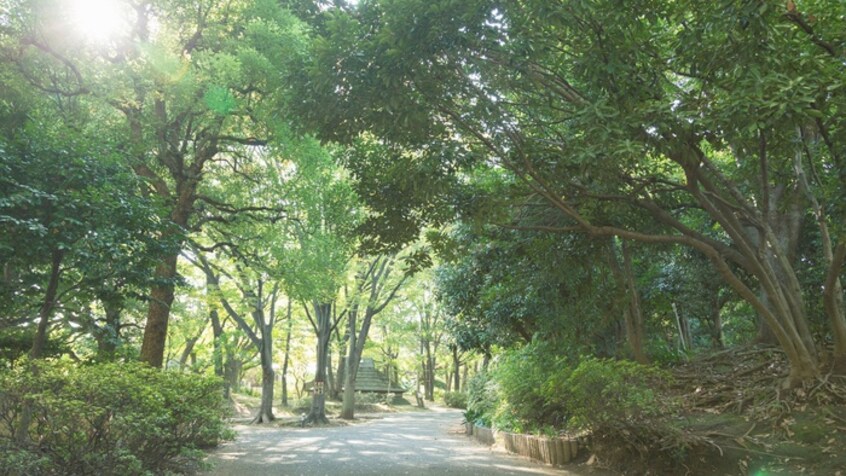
(189, 349)
(40, 341)
(233, 368)
(356, 346)
(456, 369)
(219, 353)
(716, 323)
(285, 359)
(47, 306)
(323, 316)
(341, 369)
(158, 313)
(834, 257)
(161, 294)
(429, 373)
(331, 389)
(683, 324)
(833, 304)
(268, 377)
(265, 348)
(108, 335)
(628, 299)
(352, 362)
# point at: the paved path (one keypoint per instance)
(418, 443)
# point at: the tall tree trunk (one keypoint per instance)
(356, 345)
(47, 306)
(158, 313)
(378, 273)
(323, 317)
(456, 368)
(634, 325)
(331, 391)
(352, 362)
(218, 352)
(287, 356)
(40, 341)
(834, 256)
(628, 299)
(340, 373)
(108, 335)
(430, 373)
(161, 294)
(268, 377)
(715, 309)
(265, 348)
(188, 350)
(233, 368)
(833, 304)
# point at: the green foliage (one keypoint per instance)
(662, 353)
(529, 381)
(455, 399)
(16, 342)
(482, 399)
(126, 419)
(607, 395)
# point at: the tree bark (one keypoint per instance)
(628, 299)
(265, 348)
(158, 313)
(351, 370)
(833, 304)
(323, 317)
(331, 388)
(378, 273)
(108, 335)
(456, 368)
(188, 350)
(268, 377)
(834, 256)
(40, 341)
(287, 356)
(715, 309)
(232, 378)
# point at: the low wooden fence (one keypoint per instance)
(553, 451)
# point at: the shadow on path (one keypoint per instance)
(419, 443)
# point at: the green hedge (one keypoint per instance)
(531, 390)
(115, 418)
(455, 399)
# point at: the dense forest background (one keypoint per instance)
(616, 219)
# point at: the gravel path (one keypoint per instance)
(418, 443)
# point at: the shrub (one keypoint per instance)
(482, 399)
(613, 394)
(455, 399)
(126, 419)
(528, 382)
(619, 403)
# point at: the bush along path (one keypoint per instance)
(106, 419)
(415, 443)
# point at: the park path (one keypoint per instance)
(415, 443)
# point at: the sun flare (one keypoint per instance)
(99, 20)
